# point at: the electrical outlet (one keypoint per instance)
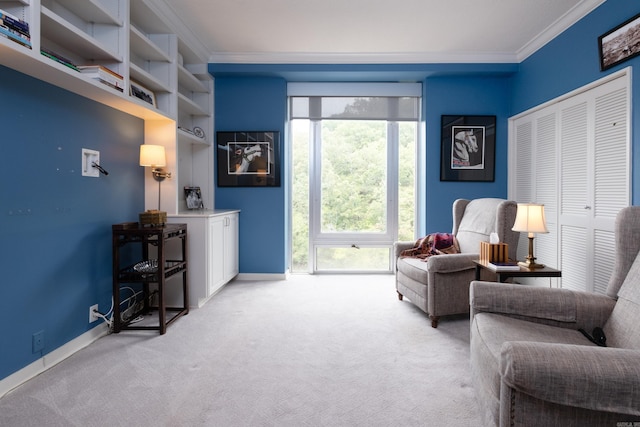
(88, 158)
(37, 342)
(92, 316)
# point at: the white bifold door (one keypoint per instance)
(573, 155)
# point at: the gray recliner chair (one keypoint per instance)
(440, 285)
(531, 365)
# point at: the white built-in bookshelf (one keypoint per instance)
(138, 40)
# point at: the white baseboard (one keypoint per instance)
(262, 276)
(51, 359)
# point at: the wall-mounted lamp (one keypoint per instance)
(154, 156)
(530, 219)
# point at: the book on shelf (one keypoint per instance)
(103, 75)
(13, 22)
(111, 85)
(58, 58)
(503, 266)
(13, 26)
(14, 36)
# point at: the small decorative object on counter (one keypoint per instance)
(153, 217)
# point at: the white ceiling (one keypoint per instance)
(379, 31)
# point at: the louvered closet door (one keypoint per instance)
(575, 145)
(612, 175)
(573, 155)
(546, 187)
(522, 178)
(535, 163)
(594, 183)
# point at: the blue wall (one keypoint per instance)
(256, 100)
(462, 95)
(55, 232)
(571, 60)
(256, 104)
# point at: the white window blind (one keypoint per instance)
(355, 101)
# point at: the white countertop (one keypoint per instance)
(199, 213)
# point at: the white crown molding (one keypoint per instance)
(578, 12)
(360, 58)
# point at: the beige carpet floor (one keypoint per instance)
(309, 351)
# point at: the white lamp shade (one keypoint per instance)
(152, 155)
(530, 218)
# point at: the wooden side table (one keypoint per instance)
(143, 272)
(522, 272)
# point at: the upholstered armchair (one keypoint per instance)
(532, 366)
(440, 285)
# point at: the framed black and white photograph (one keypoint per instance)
(248, 159)
(620, 43)
(468, 148)
(193, 197)
(139, 91)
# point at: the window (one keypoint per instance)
(353, 180)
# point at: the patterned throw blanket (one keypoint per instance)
(432, 244)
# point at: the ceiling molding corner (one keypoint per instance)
(578, 12)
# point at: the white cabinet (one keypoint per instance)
(223, 231)
(230, 262)
(212, 252)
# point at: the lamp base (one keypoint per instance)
(530, 260)
(530, 264)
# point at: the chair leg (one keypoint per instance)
(399, 296)
(434, 321)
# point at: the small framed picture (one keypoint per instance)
(141, 92)
(468, 148)
(193, 197)
(620, 43)
(248, 159)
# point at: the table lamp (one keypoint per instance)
(530, 219)
(154, 156)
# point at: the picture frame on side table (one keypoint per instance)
(468, 148)
(620, 43)
(138, 91)
(248, 159)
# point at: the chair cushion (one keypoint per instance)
(490, 333)
(477, 223)
(622, 329)
(413, 268)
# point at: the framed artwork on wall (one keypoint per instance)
(468, 148)
(620, 43)
(248, 159)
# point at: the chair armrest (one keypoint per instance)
(447, 263)
(552, 306)
(597, 378)
(401, 246)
